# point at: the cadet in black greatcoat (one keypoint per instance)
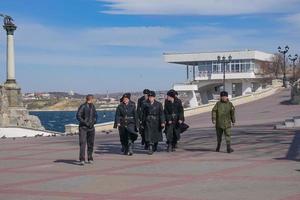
(174, 114)
(141, 101)
(126, 120)
(153, 122)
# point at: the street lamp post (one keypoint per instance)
(224, 61)
(293, 59)
(284, 51)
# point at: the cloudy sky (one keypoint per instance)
(117, 45)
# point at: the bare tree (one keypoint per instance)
(274, 68)
(277, 65)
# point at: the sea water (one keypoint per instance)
(56, 120)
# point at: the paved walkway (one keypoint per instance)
(264, 166)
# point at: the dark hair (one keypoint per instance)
(89, 97)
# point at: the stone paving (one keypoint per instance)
(264, 166)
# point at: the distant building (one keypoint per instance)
(71, 93)
(205, 74)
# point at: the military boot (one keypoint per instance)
(150, 149)
(218, 147)
(155, 147)
(130, 152)
(123, 149)
(125, 152)
(229, 149)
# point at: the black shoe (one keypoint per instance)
(229, 149)
(150, 152)
(82, 162)
(155, 147)
(218, 147)
(130, 152)
(125, 152)
(122, 149)
(90, 158)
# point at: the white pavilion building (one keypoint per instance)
(205, 74)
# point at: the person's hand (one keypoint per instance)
(170, 122)
(180, 121)
(162, 124)
(119, 125)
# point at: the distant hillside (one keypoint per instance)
(61, 105)
(53, 104)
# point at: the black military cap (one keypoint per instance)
(146, 91)
(224, 94)
(171, 93)
(125, 95)
(152, 94)
(175, 92)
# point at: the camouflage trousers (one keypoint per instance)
(226, 132)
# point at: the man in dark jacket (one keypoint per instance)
(223, 116)
(153, 121)
(87, 117)
(174, 114)
(126, 120)
(140, 103)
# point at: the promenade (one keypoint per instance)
(264, 166)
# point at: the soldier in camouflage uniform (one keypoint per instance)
(223, 116)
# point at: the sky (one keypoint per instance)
(94, 46)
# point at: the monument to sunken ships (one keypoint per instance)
(12, 111)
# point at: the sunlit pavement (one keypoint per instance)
(264, 166)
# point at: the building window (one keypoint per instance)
(205, 66)
(236, 66)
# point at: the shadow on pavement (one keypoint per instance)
(294, 149)
(287, 102)
(71, 162)
(116, 149)
(199, 149)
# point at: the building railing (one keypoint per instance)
(209, 73)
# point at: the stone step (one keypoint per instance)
(297, 121)
(280, 126)
(289, 123)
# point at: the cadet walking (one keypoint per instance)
(140, 103)
(174, 115)
(126, 120)
(153, 121)
(87, 117)
(223, 116)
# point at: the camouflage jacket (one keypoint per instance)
(223, 114)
